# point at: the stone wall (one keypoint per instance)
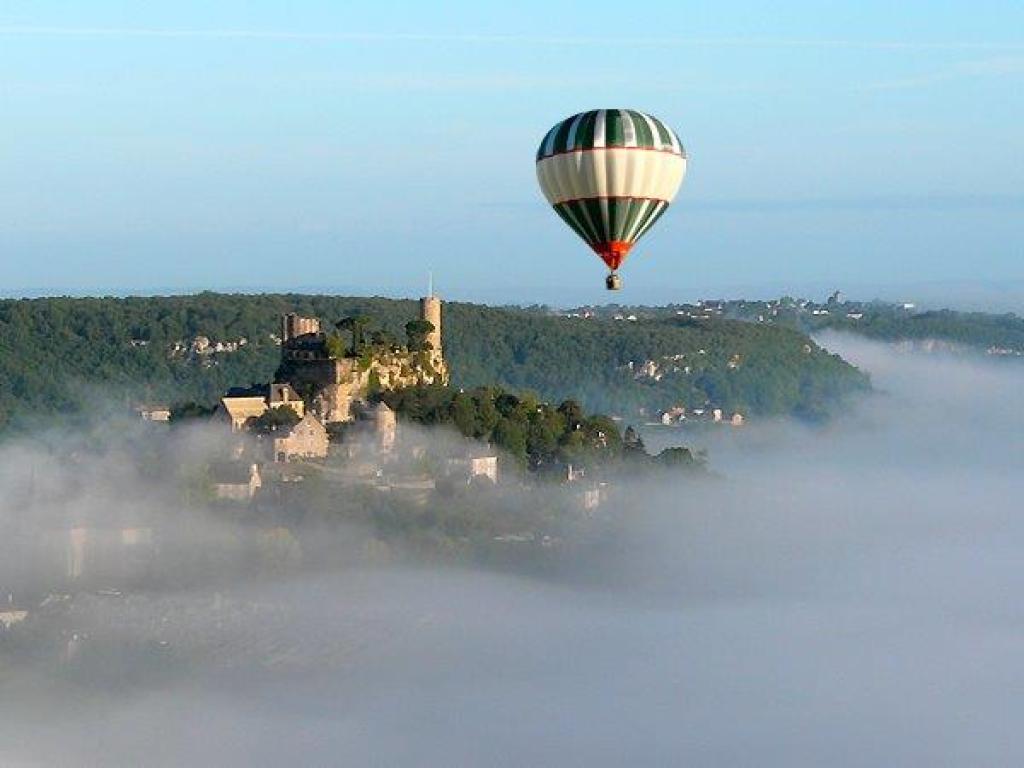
(307, 439)
(333, 385)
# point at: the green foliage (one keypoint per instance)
(58, 354)
(365, 359)
(676, 457)
(536, 434)
(335, 346)
(279, 419)
(373, 384)
(384, 341)
(191, 411)
(977, 330)
(416, 332)
(357, 326)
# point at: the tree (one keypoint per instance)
(511, 436)
(676, 457)
(416, 332)
(335, 346)
(603, 433)
(464, 414)
(572, 412)
(486, 413)
(356, 325)
(191, 411)
(633, 444)
(282, 418)
(360, 324)
(348, 325)
(507, 404)
(385, 340)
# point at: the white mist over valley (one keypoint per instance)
(844, 594)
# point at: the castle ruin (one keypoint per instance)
(331, 382)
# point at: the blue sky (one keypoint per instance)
(873, 146)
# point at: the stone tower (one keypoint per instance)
(430, 310)
(292, 326)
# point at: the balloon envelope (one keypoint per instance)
(610, 174)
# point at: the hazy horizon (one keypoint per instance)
(974, 296)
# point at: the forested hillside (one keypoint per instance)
(992, 334)
(63, 355)
(997, 334)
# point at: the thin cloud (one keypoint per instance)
(1002, 66)
(472, 38)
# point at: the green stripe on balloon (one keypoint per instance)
(562, 137)
(584, 227)
(567, 216)
(614, 133)
(633, 209)
(663, 133)
(644, 137)
(596, 214)
(659, 210)
(585, 131)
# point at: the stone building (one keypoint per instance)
(306, 440)
(471, 467)
(430, 310)
(105, 551)
(153, 412)
(240, 405)
(236, 480)
(379, 423)
(373, 431)
(293, 326)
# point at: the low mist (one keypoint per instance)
(843, 595)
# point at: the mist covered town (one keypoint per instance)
(151, 601)
(312, 469)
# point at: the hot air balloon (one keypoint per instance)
(610, 174)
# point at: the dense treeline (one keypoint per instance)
(874, 319)
(541, 436)
(64, 355)
(970, 329)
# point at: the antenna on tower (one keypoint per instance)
(430, 284)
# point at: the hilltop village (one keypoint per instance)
(332, 413)
(357, 450)
(325, 401)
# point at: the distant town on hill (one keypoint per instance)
(67, 356)
(997, 335)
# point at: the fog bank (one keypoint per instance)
(847, 595)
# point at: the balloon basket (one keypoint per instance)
(613, 282)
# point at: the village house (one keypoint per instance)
(306, 440)
(382, 424)
(89, 547)
(674, 415)
(10, 616)
(472, 467)
(240, 404)
(236, 480)
(148, 412)
(573, 474)
(589, 499)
